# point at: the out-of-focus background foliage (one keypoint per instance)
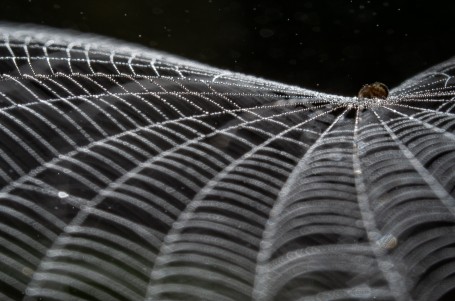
(331, 46)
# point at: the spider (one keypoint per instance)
(374, 90)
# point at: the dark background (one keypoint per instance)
(331, 45)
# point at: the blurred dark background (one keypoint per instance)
(332, 46)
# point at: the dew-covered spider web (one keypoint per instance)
(128, 174)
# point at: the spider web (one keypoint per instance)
(128, 174)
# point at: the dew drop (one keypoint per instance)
(388, 242)
(62, 194)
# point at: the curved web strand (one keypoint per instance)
(130, 174)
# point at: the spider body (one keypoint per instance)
(374, 90)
